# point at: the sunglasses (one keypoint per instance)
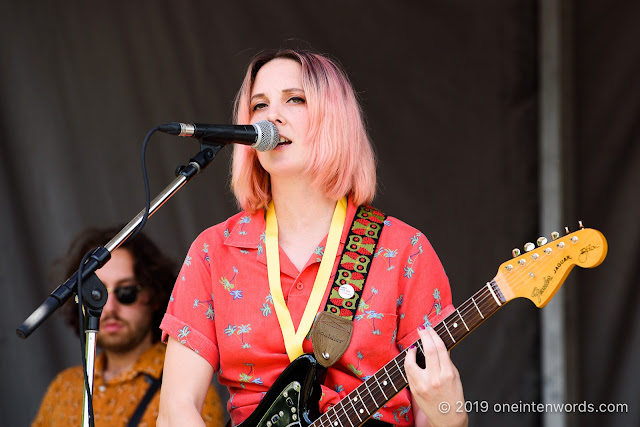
(127, 295)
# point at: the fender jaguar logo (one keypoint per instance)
(584, 252)
(559, 264)
(537, 293)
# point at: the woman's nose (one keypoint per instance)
(275, 115)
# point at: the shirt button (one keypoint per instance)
(102, 388)
(300, 286)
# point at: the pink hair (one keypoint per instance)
(342, 161)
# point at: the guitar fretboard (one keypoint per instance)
(378, 389)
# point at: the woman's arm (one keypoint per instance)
(436, 389)
(185, 382)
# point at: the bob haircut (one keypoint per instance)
(342, 161)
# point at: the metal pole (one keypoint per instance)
(553, 177)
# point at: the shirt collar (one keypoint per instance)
(150, 362)
(249, 231)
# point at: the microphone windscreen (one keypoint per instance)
(268, 136)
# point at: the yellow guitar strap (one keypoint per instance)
(293, 339)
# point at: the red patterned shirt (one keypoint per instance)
(221, 308)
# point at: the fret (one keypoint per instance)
(365, 407)
(345, 412)
(463, 322)
(392, 383)
(401, 372)
(444, 322)
(371, 394)
(375, 376)
(489, 298)
(363, 400)
(355, 399)
(474, 303)
(493, 293)
(326, 416)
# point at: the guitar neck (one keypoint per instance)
(378, 389)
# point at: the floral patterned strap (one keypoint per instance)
(355, 262)
(333, 328)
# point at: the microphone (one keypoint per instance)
(263, 136)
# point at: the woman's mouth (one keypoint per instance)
(284, 141)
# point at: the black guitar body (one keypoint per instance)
(293, 398)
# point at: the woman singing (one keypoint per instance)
(250, 288)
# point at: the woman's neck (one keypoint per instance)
(304, 217)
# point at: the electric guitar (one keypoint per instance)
(537, 274)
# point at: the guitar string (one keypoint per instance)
(523, 273)
(464, 309)
(467, 306)
(396, 375)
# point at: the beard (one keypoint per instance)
(126, 339)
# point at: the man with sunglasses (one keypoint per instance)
(128, 371)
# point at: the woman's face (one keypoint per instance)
(277, 96)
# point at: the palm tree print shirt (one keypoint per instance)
(222, 309)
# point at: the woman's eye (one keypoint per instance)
(297, 100)
(259, 106)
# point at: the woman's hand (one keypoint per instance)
(435, 390)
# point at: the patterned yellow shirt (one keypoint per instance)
(115, 401)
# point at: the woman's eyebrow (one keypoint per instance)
(288, 90)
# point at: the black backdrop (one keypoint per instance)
(450, 90)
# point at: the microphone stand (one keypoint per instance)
(96, 297)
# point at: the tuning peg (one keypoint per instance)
(581, 226)
(555, 235)
(566, 230)
(541, 241)
(515, 252)
(529, 246)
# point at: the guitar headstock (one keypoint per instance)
(540, 271)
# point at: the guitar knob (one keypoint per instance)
(555, 235)
(566, 230)
(529, 247)
(581, 226)
(541, 241)
(515, 252)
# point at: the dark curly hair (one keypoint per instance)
(152, 268)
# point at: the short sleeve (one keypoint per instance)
(426, 294)
(190, 316)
